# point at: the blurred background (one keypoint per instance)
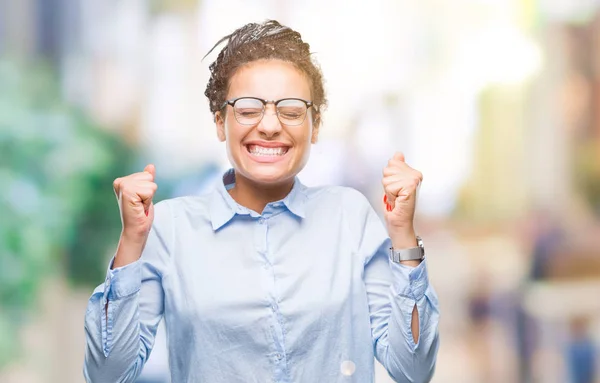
(497, 102)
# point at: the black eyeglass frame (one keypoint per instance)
(309, 104)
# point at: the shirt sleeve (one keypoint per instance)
(124, 312)
(393, 290)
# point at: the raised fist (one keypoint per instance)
(134, 194)
(400, 183)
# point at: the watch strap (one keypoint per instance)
(411, 254)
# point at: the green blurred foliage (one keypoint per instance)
(57, 208)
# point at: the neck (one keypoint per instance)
(256, 196)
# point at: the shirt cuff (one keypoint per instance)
(122, 281)
(410, 281)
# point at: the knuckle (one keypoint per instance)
(126, 187)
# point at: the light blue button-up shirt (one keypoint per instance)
(303, 292)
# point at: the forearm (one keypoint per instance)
(408, 348)
(124, 312)
(128, 251)
(113, 348)
(405, 239)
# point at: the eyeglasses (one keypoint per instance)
(251, 110)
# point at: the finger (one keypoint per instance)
(141, 176)
(142, 186)
(410, 183)
(136, 177)
(419, 175)
(136, 190)
(150, 212)
(396, 168)
(387, 205)
(397, 162)
(150, 168)
(117, 186)
(139, 195)
(388, 180)
(407, 171)
(118, 182)
(393, 187)
(147, 196)
(391, 191)
(391, 197)
(400, 189)
(399, 156)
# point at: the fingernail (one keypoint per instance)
(146, 213)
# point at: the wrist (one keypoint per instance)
(128, 251)
(133, 238)
(403, 238)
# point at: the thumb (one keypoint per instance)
(151, 169)
(399, 156)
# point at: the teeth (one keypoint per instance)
(262, 151)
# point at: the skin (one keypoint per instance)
(400, 183)
(258, 183)
(258, 180)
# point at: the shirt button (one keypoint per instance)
(261, 220)
(278, 356)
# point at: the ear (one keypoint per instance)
(316, 125)
(220, 124)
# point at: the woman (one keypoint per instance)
(266, 280)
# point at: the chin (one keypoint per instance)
(269, 174)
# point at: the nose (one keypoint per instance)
(270, 124)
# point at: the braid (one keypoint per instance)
(252, 42)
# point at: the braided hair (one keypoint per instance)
(252, 42)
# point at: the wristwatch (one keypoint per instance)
(412, 254)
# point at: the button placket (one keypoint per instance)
(260, 237)
(262, 232)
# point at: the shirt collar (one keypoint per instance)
(223, 207)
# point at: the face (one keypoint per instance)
(267, 152)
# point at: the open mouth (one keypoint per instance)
(262, 151)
